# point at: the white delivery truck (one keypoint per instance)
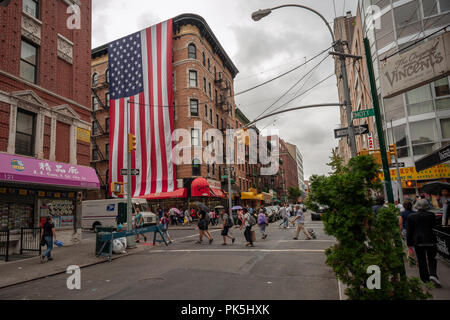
(109, 212)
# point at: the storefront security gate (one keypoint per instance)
(104, 244)
(4, 245)
(30, 240)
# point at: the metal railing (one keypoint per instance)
(30, 240)
(4, 244)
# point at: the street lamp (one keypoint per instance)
(339, 48)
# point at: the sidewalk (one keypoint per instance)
(82, 255)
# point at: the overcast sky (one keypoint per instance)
(260, 50)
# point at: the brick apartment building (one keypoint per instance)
(44, 114)
(203, 84)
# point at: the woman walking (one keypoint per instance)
(165, 227)
(203, 228)
(262, 223)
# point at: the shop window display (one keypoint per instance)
(14, 216)
(62, 211)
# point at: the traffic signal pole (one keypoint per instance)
(376, 107)
(131, 240)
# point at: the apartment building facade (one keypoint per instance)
(45, 114)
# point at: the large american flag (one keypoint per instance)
(140, 73)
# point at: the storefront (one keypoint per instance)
(31, 189)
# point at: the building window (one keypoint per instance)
(419, 100)
(195, 137)
(194, 107)
(25, 127)
(213, 168)
(95, 128)
(215, 73)
(28, 61)
(107, 75)
(192, 78)
(107, 125)
(107, 99)
(192, 51)
(204, 59)
(217, 121)
(445, 128)
(204, 84)
(95, 103)
(95, 156)
(442, 92)
(215, 95)
(196, 167)
(209, 89)
(209, 65)
(94, 79)
(423, 136)
(221, 120)
(107, 151)
(406, 14)
(445, 5)
(210, 116)
(31, 7)
(206, 112)
(400, 140)
(429, 7)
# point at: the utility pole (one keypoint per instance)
(131, 240)
(376, 107)
(229, 190)
(339, 48)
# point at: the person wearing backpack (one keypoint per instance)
(227, 225)
(262, 223)
(248, 222)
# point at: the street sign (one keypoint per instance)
(343, 132)
(134, 172)
(363, 113)
(400, 165)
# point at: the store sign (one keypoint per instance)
(437, 172)
(214, 184)
(83, 135)
(425, 63)
(30, 170)
(370, 141)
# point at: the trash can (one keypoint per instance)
(101, 232)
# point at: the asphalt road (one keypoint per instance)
(275, 268)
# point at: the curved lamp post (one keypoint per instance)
(258, 15)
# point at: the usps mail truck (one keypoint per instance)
(110, 212)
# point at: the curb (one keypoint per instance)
(64, 271)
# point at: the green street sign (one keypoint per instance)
(363, 113)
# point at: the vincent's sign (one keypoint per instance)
(424, 63)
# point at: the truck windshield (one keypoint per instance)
(143, 207)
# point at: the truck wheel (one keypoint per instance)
(95, 225)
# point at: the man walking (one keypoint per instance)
(248, 222)
(283, 212)
(419, 235)
(48, 235)
(227, 225)
(300, 220)
(139, 224)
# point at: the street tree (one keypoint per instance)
(365, 240)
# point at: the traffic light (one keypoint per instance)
(363, 152)
(393, 150)
(409, 184)
(131, 142)
(117, 188)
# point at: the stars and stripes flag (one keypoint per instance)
(141, 100)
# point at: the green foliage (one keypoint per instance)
(294, 193)
(364, 238)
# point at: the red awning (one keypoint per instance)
(200, 188)
(217, 193)
(180, 193)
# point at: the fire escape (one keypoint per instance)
(99, 131)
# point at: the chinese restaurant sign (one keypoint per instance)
(30, 170)
(413, 68)
(437, 172)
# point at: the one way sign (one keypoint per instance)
(343, 132)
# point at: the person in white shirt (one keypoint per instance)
(300, 220)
